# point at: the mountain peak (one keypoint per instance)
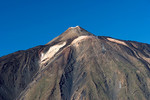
(71, 33)
(74, 27)
(78, 30)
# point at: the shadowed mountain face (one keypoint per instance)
(77, 66)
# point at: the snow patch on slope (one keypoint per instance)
(79, 39)
(51, 52)
(117, 41)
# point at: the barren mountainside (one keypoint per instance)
(77, 65)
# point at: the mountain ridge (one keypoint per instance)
(71, 33)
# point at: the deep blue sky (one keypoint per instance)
(28, 23)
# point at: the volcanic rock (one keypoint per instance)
(77, 65)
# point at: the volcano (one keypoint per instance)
(77, 65)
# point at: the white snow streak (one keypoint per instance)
(51, 52)
(79, 39)
(117, 41)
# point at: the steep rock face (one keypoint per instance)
(78, 66)
(16, 72)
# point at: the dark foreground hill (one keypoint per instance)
(77, 66)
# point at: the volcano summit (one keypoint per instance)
(77, 65)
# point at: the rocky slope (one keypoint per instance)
(77, 66)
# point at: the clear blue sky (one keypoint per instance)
(28, 23)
